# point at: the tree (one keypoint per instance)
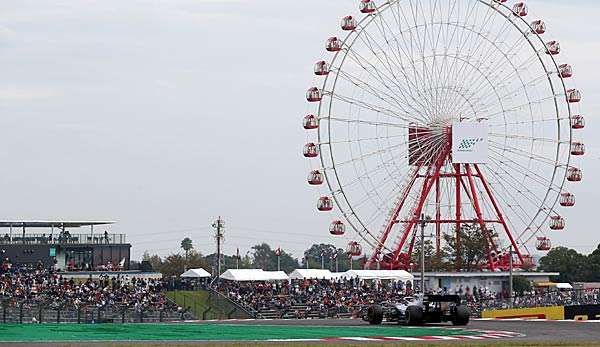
(594, 265)
(473, 249)
(263, 257)
(154, 260)
(572, 266)
(521, 285)
(175, 264)
(313, 257)
(433, 261)
(186, 245)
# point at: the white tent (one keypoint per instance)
(241, 275)
(196, 273)
(396, 275)
(300, 274)
(564, 286)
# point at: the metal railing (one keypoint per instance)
(63, 239)
(21, 312)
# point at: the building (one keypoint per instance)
(493, 281)
(55, 242)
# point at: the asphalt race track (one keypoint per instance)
(528, 330)
(540, 330)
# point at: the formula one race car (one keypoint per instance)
(420, 309)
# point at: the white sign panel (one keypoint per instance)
(469, 143)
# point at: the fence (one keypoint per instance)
(541, 299)
(13, 312)
(64, 239)
(209, 304)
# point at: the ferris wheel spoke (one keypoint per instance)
(453, 73)
(520, 169)
(367, 196)
(515, 206)
(431, 143)
(517, 185)
(513, 73)
(474, 47)
(367, 122)
(379, 94)
(522, 137)
(421, 43)
(360, 140)
(393, 68)
(360, 177)
(527, 122)
(363, 104)
(492, 54)
(521, 106)
(529, 219)
(382, 78)
(370, 154)
(531, 83)
(521, 153)
(401, 51)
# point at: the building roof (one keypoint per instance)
(195, 273)
(300, 274)
(49, 224)
(486, 274)
(379, 274)
(253, 275)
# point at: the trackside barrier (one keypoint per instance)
(572, 312)
(582, 312)
(552, 312)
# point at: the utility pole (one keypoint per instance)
(278, 255)
(336, 263)
(351, 261)
(322, 261)
(424, 221)
(219, 225)
(510, 277)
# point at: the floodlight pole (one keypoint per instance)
(219, 224)
(422, 254)
(510, 277)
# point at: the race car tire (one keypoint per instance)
(414, 315)
(461, 315)
(375, 314)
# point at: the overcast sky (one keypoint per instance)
(163, 115)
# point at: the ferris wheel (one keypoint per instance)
(448, 112)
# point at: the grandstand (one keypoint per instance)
(53, 243)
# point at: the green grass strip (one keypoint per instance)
(205, 332)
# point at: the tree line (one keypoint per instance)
(572, 266)
(260, 256)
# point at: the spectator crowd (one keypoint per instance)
(39, 285)
(306, 298)
(330, 298)
(313, 297)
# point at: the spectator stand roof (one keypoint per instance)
(300, 274)
(247, 275)
(196, 273)
(50, 224)
(396, 275)
(555, 285)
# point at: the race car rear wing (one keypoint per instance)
(443, 298)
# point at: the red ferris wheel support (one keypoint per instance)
(467, 178)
